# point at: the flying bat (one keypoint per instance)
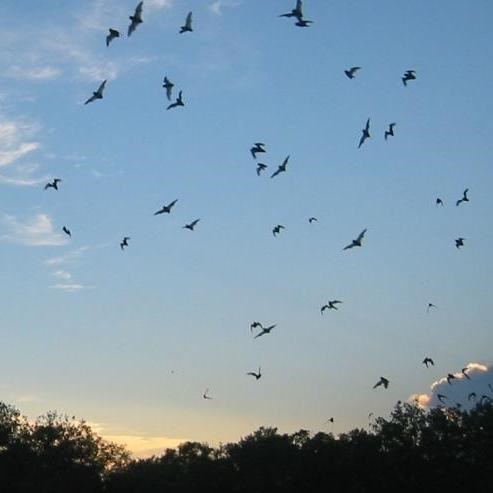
(265, 330)
(98, 94)
(53, 184)
(124, 242)
(351, 72)
(390, 131)
(178, 102)
(277, 229)
(256, 375)
(357, 241)
(113, 33)
(296, 12)
(383, 381)
(365, 133)
(168, 85)
(188, 24)
(191, 225)
(166, 208)
(464, 198)
(256, 148)
(260, 168)
(136, 18)
(281, 168)
(427, 361)
(459, 242)
(408, 75)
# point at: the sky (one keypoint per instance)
(130, 339)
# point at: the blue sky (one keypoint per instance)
(130, 340)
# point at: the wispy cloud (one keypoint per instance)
(62, 274)
(158, 4)
(68, 258)
(17, 140)
(36, 73)
(218, 5)
(70, 287)
(35, 231)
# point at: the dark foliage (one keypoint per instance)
(413, 450)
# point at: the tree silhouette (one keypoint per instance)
(442, 449)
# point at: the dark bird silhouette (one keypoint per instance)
(205, 395)
(366, 133)
(463, 371)
(351, 72)
(256, 148)
(464, 198)
(67, 231)
(471, 396)
(166, 208)
(296, 12)
(277, 229)
(303, 23)
(191, 225)
(281, 168)
(265, 330)
(168, 85)
(111, 36)
(188, 24)
(430, 306)
(450, 377)
(442, 398)
(331, 305)
(312, 219)
(178, 102)
(254, 325)
(383, 381)
(256, 375)
(459, 242)
(124, 242)
(390, 131)
(427, 361)
(53, 184)
(357, 241)
(408, 75)
(98, 94)
(330, 420)
(136, 18)
(439, 201)
(260, 168)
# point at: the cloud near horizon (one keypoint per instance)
(142, 446)
(458, 391)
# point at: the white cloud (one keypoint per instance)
(36, 231)
(461, 390)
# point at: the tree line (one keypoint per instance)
(441, 449)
